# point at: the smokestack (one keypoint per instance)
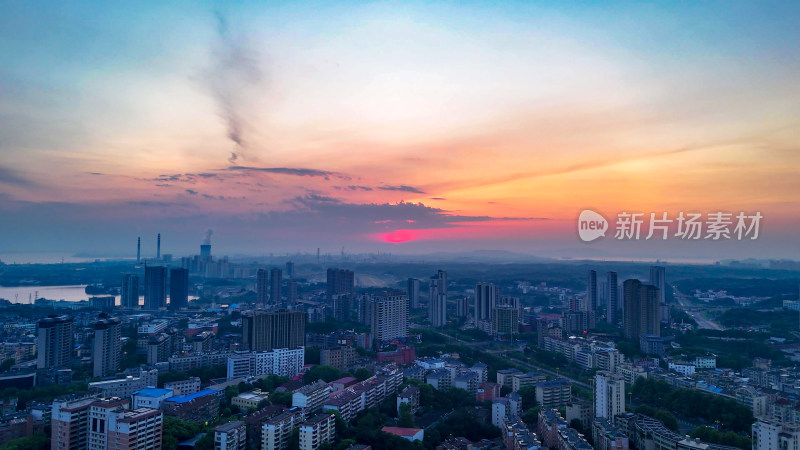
(158, 247)
(138, 249)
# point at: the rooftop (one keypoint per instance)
(153, 392)
(189, 397)
(405, 432)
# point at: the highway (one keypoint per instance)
(696, 313)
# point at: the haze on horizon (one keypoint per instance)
(409, 128)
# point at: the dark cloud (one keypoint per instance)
(13, 177)
(96, 173)
(401, 188)
(191, 191)
(164, 185)
(300, 172)
(438, 198)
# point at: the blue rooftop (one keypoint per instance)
(190, 397)
(153, 392)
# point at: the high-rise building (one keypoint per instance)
(389, 317)
(291, 293)
(114, 427)
(340, 281)
(658, 278)
(658, 275)
(106, 347)
(342, 306)
(289, 270)
(129, 297)
(54, 342)
(505, 321)
(591, 292)
(462, 307)
(275, 284)
(612, 297)
(486, 296)
(609, 395)
(412, 290)
(262, 283)
(642, 310)
(178, 288)
(155, 287)
(437, 299)
(269, 330)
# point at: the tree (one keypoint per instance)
(531, 417)
(205, 443)
(6, 365)
(324, 373)
(36, 442)
(406, 419)
(294, 439)
(281, 398)
(362, 373)
(528, 395)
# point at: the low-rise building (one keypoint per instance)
(311, 396)
(554, 393)
(317, 430)
(230, 436)
(249, 400)
(409, 434)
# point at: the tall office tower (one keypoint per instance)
(268, 330)
(609, 395)
(486, 296)
(112, 426)
(658, 277)
(462, 307)
(275, 283)
(107, 347)
(364, 305)
(642, 310)
(178, 289)
(505, 321)
(138, 249)
(291, 293)
(262, 283)
(70, 422)
(612, 297)
(412, 290)
(389, 317)
(158, 247)
(342, 306)
(591, 292)
(54, 342)
(155, 287)
(130, 291)
(289, 270)
(437, 299)
(340, 281)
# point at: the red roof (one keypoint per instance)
(397, 431)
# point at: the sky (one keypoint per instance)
(406, 127)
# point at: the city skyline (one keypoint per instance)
(397, 128)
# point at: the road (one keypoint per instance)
(696, 313)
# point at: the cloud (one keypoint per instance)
(14, 178)
(235, 73)
(402, 188)
(353, 188)
(300, 172)
(191, 191)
